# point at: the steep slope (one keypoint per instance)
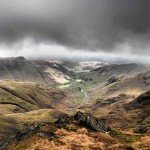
(29, 96)
(26, 102)
(19, 69)
(75, 132)
(107, 86)
(123, 104)
(122, 112)
(107, 71)
(54, 71)
(134, 85)
(140, 102)
(121, 68)
(42, 72)
(141, 105)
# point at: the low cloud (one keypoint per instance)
(111, 26)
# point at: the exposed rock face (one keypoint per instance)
(141, 129)
(90, 121)
(112, 80)
(20, 135)
(144, 99)
(139, 102)
(25, 133)
(34, 71)
(83, 119)
(63, 120)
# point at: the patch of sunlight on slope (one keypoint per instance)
(57, 76)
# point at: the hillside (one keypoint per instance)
(19, 69)
(134, 85)
(42, 72)
(105, 72)
(81, 131)
(29, 96)
(34, 95)
(25, 102)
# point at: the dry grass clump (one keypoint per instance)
(67, 139)
(143, 143)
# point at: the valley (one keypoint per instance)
(74, 75)
(37, 93)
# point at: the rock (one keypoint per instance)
(144, 99)
(105, 102)
(26, 132)
(140, 129)
(139, 102)
(20, 58)
(87, 120)
(90, 121)
(63, 120)
(47, 135)
(112, 80)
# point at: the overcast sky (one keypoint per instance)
(75, 28)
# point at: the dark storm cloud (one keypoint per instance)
(91, 24)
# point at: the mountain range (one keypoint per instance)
(74, 105)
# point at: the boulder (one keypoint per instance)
(90, 121)
(64, 120)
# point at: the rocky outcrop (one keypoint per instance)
(88, 120)
(139, 102)
(20, 135)
(83, 119)
(112, 80)
(64, 120)
(47, 130)
(140, 129)
(105, 102)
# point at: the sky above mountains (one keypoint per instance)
(110, 29)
